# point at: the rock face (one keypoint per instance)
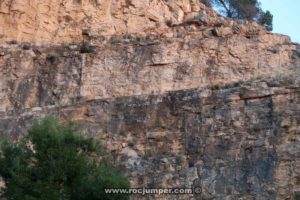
(236, 142)
(66, 21)
(61, 21)
(178, 95)
(33, 76)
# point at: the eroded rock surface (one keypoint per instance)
(236, 142)
(33, 76)
(62, 21)
(179, 96)
(66, 21)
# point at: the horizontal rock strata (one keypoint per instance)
(240, 141)
(178, 95)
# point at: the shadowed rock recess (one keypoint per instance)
(179, 96)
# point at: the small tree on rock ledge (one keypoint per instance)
(243, 9)
(55, 162)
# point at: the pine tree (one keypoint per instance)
(244, 9)
(266, 19)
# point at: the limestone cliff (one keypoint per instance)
(62, 21)
(180, 96)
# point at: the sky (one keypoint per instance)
(286, 17)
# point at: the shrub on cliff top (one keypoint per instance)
(54, 162)
(243, 9)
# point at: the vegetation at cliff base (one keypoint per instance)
(243, 9)
(55, 162)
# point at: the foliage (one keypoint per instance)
(243, 9)
(266, 19)
(55, 162)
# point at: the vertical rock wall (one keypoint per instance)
(179, 96)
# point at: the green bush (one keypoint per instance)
(55, 162)
(266, 19)
(243, 9)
